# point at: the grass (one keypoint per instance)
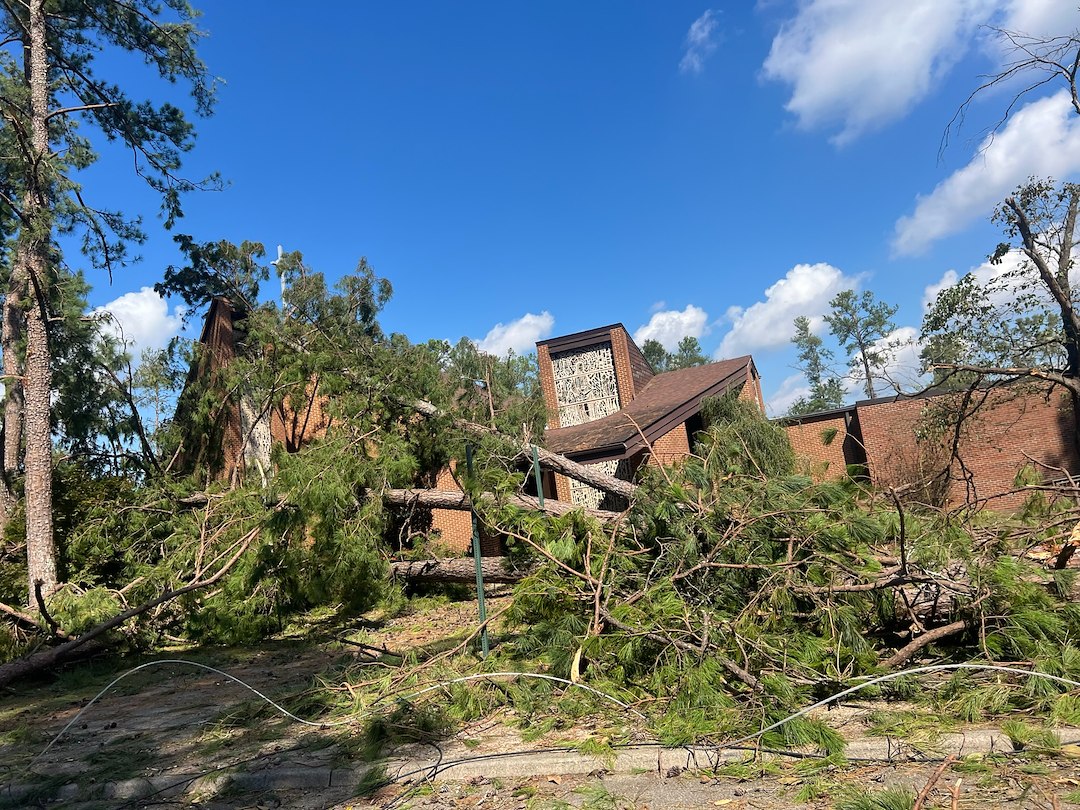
(891, 798)
(1025, 736)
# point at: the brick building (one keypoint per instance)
(607, 407)
(902, 441)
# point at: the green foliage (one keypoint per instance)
(1014, 319)
(501, 392)
(860, 325)
(892, 798)
(687, 354)
(826, 389)
(741, 440)
(216, 270)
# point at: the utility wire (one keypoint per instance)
(893, 676)
(183, 662)
(441, 765)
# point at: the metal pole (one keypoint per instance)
(478, 560)
(537, 476)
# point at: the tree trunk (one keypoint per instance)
(460, 570)
(452, 499)
(40, 548)
(11, 334)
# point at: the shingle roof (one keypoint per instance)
(669, 399)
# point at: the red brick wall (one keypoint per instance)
(547, 385)
(1013, 428)
(640, 369)
(624, 373)
(751, 391)
(562, 488)
(673, 446)
(217, 351)
(455, 525)
(296, 427)
(823, 462)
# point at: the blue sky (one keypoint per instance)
(520, 171)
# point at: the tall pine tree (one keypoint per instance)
(55, 89)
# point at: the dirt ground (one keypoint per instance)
(177, 736)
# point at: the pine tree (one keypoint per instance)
(57, 87)
(826, 390)
(860, 324)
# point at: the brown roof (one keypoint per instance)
(668, 400)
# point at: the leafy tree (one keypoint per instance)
(656, 355)
(687, 354)
(826, 390)
(502, 392)
(1022, 323)
(860, 324)
(54, 86)
(216, 269)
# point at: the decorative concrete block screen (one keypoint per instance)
(585, 384)
(586, 389)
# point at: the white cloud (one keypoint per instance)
(671, 326)
(901, 371)
(142, 320)
(860, 64)
(517, 336)
(769, 324)
(1042, 139)
(1040, 18)
(701, 41)
(791, 389)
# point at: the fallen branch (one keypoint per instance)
(902, 655)
(458, 570)
(740, 673)
(26, 621)
(920, 801)
(39, 597)
(28, 665)
(453, 499)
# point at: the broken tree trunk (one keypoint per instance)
(452, 499)
(457, 570)
(552, 461)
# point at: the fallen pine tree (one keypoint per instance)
(458, 570)
(453, 499)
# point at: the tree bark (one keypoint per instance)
(460, 570)
(40, 547)
(11, 334)
(451, 499)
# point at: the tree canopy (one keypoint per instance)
(687, 354)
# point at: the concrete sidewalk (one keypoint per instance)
(635, 769)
